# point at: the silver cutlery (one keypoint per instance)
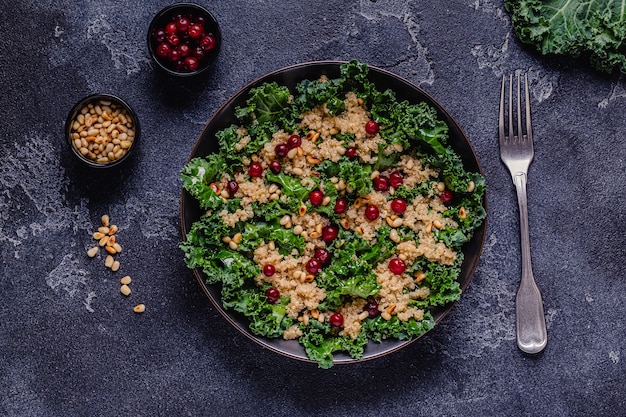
(516, 151)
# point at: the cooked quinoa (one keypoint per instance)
(275, 205)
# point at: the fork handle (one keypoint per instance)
(532, 335)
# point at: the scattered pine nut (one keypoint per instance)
(116, 266)
(105, 220)
(93, 251)
(125, 290)
(139, 308)
(125, 280)
(108, 262)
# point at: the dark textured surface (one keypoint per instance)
(70, 344)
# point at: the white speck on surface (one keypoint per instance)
(68, 277)
(58, 31)
(589, 298)
(614, 356)
(492, 57)
(90, 296)
(617, 92)
(125, 53)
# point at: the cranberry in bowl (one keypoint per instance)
(184, 39)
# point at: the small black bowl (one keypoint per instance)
(121, 131)
(177, 67)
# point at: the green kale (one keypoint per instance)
(319, 343)
(593, 29)
(379, 329)
(198, 175)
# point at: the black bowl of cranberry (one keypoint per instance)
(184, 39)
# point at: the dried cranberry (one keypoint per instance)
(269, 270)
(372, 308)
(316, 197)
(323, 255)
(371, 212)
(396, 180)
(313, 266)
(341, 205)
(371, 127)
(275, 166)
(232, 187)
(446, 196)
(272, 294)
(397, 266)
(336, 320)
(329, 233)
(281, 150)
(398, 205)
(294, 141)
(381, 183)
(350, 152)
(255, 170)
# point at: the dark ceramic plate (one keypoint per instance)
(290, 76)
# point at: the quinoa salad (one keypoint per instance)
(334, 215)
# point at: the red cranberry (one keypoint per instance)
(182, 24)
(341, 205)
(163, 50)
(336, 320)
(195, 31)
(372, 308)
(232, 187)
(329, 233)
(316, 197)
(294, 141)
(371, 212)
(397, 266)
(381, 183)
(350, 152)
(398, 205)
(170, 28)
(446, 196)
(395, 178)
(371, 127)
(184, 50)
(208, 42)
(269, 270)
(255, 170)
(281, 150)
(275, 166)
(199, 53)
(173, 39)
(200, 20)
(323, 255)
(313, 266)
(159, 35)
(272, 294)
(173, 55)
(192, 63)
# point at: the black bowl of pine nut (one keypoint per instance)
(102, 131)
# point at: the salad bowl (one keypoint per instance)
(224, 117)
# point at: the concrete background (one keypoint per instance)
(70, 344)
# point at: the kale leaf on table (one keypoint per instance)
(593, 29)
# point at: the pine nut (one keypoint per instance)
(393, 235)
(297, 229)
(125, 280)
(237, 238)
(108, 261)
(397, 222)
(139, 308)
(285, 219)
(103, 241)
(116, 266)
(93, 251)
(98, 235)
(441, 186)
(302, 210)
(419, 276)
(471, 186)
(125, 290)
(117, 247)
(462, 213)
(103, 229)
(233, 245)
(113, 230)
(110, 249)
(105, 220)
(292, 154)
(437, 223)
(326, 201)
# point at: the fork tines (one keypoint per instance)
(519, 134)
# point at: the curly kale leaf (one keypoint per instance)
(197, 176)
(595, 29)
(378, 328)
(319, 343)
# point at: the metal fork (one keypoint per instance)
(516, 151)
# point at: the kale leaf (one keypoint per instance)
(593, 29)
